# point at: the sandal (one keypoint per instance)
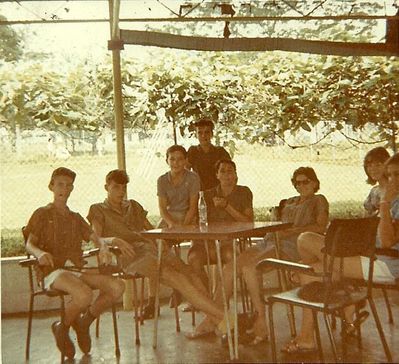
(259, 340)
(293, 348)
(197, 335)
(351, 328)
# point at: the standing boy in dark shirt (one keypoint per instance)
(203, 157)
(54, 236)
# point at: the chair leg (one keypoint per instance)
(272, 334)
(176, 314)
(142, 301)
(388, 306)
(62, 322)
(28, 336)
(98, 327)
(136, 312)
(330, 336)
(317, 332)
(193, 316)
(380, 330)
(116, 336)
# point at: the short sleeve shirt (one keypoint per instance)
(392, 263)
(204, 164)
(178, 197)
(306, 212)
(372, 202)
(124, 225)
(240, 198)
(60, 234)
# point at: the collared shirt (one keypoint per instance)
(391, 262)
(178, 197)
(240, 198)
(123, 224)
(60, 234)
(204, 164)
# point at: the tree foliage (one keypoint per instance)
(10, 43)
(255, 101)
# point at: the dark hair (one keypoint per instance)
(204, 122)
(225, 161)
(62, 171)
(176, 148)
(392, 160)
(308, 172)
(378, 154)
(119, 176)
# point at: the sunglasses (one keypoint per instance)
(305, 182)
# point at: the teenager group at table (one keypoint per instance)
(55, 234)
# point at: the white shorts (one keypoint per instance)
(50, 279)
(381, 273)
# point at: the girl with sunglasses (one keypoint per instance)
(307, 211)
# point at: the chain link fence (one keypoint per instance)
(28, 161)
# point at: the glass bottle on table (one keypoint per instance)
(202, 212)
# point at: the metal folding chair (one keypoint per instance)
(344, 238)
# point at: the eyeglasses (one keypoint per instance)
(304, 182)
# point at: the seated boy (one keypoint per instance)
(54, 236)
(119, 221)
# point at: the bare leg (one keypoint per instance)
(197, 259)
(111, 290)
(80, 293)
(180, 282)
(352, 269)
(309, 247)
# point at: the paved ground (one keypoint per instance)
(175, 348)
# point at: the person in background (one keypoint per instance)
(373, 165)
(202, 158)
(54, 236)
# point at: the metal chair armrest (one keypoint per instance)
(387, 252)
(29, 262)
(286, 265)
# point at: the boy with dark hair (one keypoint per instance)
(54, 236)
(203, 157)
(119, 222)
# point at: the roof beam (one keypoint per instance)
(164, 40)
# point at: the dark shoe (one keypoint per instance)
(64, 342)
(148, 312)
(293, 348)
(175, 299)
(82, 328)
(188, 308)
(351, 328)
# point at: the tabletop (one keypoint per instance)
(217, 231)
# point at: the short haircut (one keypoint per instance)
(176, 148)
(308, 172)
(393, 160)
(378, 154)
(225, 161)
(62, 171)
(119, 176)
(204, 122)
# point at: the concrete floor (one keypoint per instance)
(175, 348)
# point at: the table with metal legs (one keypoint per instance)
(216, 232)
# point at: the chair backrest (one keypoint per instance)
(351, 237)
